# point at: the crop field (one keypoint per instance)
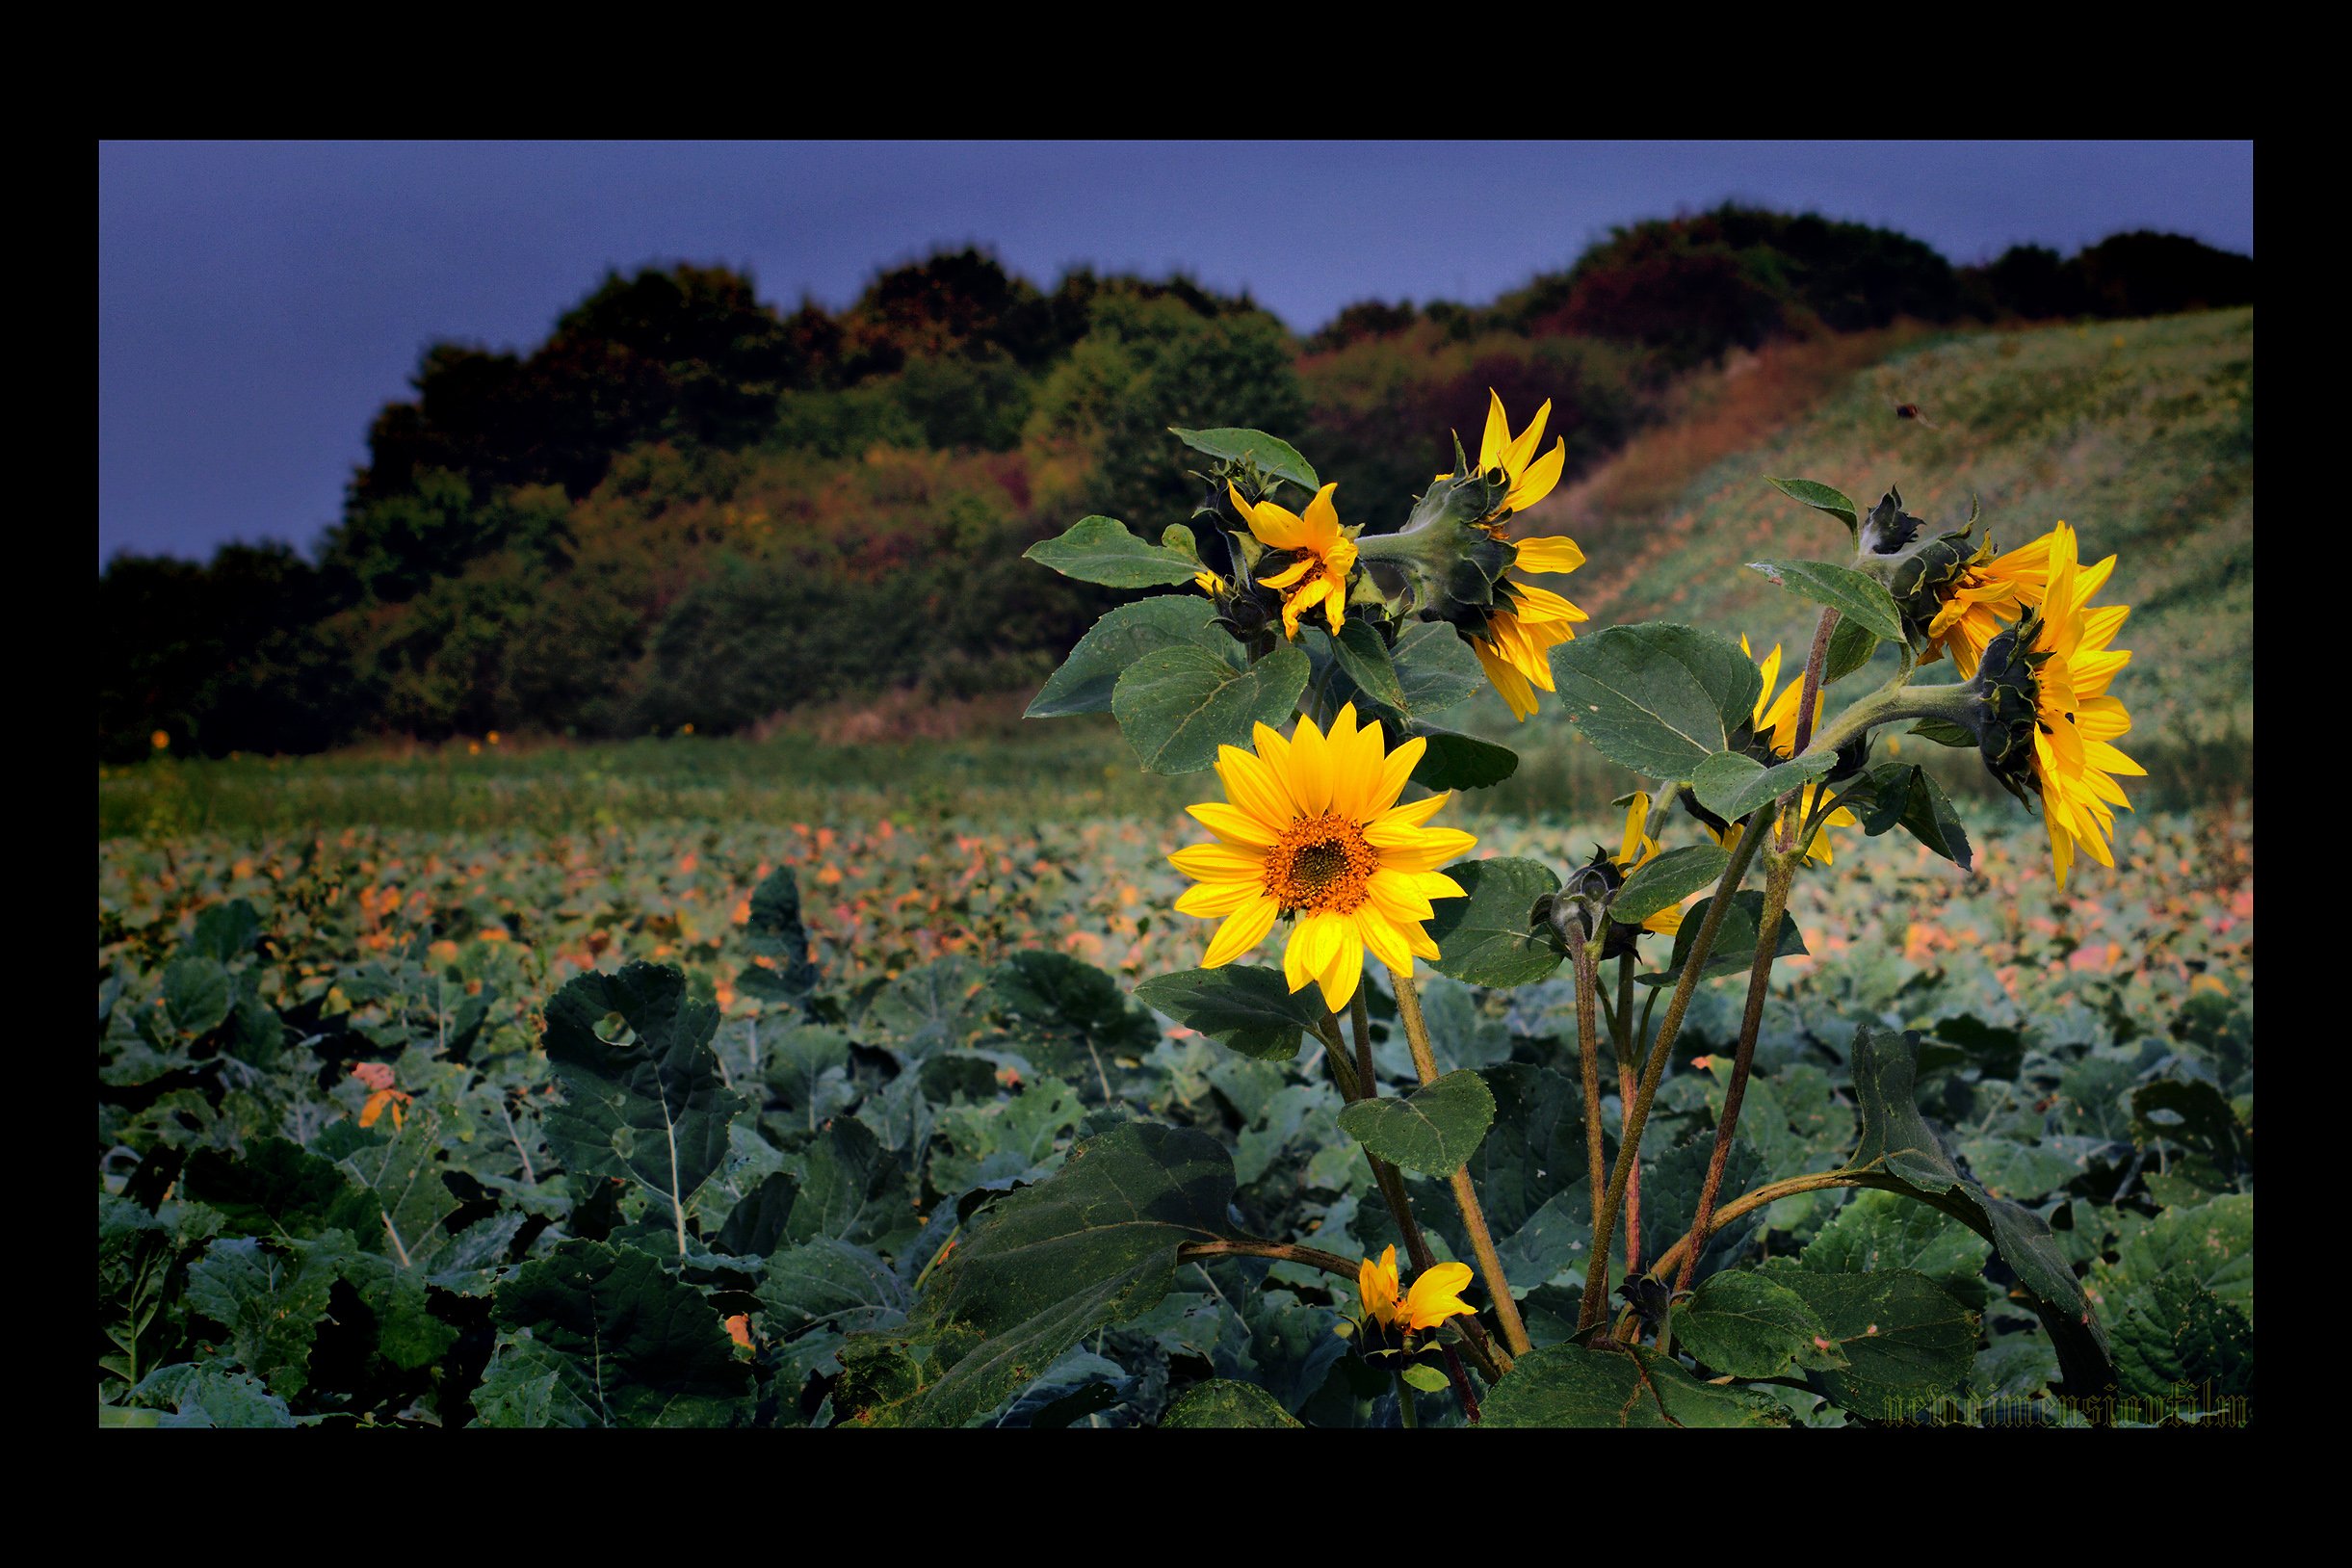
(328, 1193)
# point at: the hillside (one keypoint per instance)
(2139, 434)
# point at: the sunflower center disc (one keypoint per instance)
(1320, 863)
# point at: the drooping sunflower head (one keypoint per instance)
(1308, 556)
(1990, 592)
(2045, 719)
(1311, 831)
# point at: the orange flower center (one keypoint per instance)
(1320, 863)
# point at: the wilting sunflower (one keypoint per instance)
(2060, 653)
(1309, 829)
(1636, 850)
(1435, 1296)
(1991, 593)
(1324, 555)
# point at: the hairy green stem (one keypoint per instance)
(1953, 704)
(1465, 1193)
(1406, 1416)
(1637, 1115)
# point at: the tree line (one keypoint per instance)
(689, 507)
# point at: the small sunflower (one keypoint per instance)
(2060, 652)
(1774, 722)
(1321, 555)
(1775, 716)
(1638, 850)
(1309, 829)
(1436, 1296)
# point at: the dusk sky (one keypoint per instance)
(259, 301)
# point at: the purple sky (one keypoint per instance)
(258, 301)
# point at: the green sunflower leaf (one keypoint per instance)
(1735, 949)
(1177, 705)
(1658, 697)
(1460, 762)
(1101, 550)
(594, 1336)
(1084, 683)
(1731, 784)
(644, 1096)
(1857, 598)
(1668, 879)
(1750, 1326)
(1433, 1129)
(1492, 936)
(1092, 1245)
(1225, 1402)
(1905, 1340)
(1897, 1139)
(1243, 1007)
(1272, 454)
(1851, 645)
(1822, 498)
(1566, 1385)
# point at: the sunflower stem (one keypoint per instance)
(1624, 1052)
(1581, 949)
(1465, 1193)
(1637, 1115)
(1779, 873)
(1956, 704)
(1406, 1413)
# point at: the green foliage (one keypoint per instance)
(884, 1117)
(1657, 699)
(1434, 1130)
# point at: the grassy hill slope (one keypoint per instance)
(2139, 434)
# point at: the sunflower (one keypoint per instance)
(1775, 716)
(1527, 623)
(1326, 555)
(1530, 477)
(2062, 649)
(1991, 593)
(1310, 829)
(1435, 1296)
(1773, 721)
(1636, 850)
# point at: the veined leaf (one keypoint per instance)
(643, 1097)
(1101, 550)
(1177, 705)
(1658, 697)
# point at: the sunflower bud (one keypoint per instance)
(1586, 899)
(2008, 702)
(1920, 571)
